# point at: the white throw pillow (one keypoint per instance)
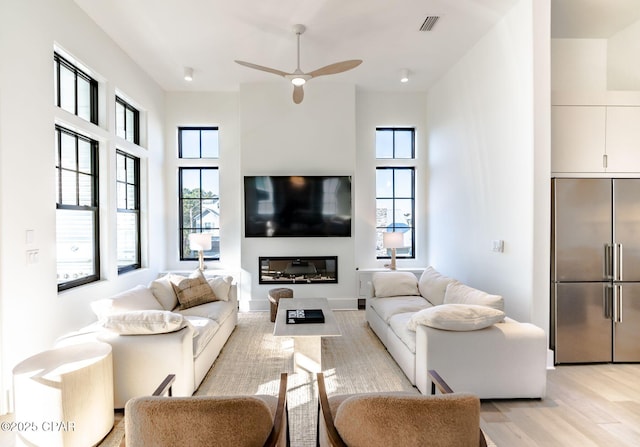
(458, 293)
(143, 322)
(387, 284)
(138, 298)
(456, 317)
(433, 285)
(221, 285)
(163, 291)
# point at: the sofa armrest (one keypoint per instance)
(505, 360)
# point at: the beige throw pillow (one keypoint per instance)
(456, 317)
(458, 293)
(392, 283)
(432, 285)
(143, 322)
(193, 291)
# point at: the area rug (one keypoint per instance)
(252, 360)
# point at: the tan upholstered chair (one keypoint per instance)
(409, 420)
(199, 421)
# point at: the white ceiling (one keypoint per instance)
(163, 36)
(592, 18)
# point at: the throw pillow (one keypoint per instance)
(141, 322)
(392, 283)
(433, 285)
(163, 291)
(192, 291)
(221, 285)
(456, 317)
(458, 293)
(138, 298)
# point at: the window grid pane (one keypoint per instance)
(198, 142)
(127, 121)
(128, 212)
(395, 209)
(199, 203)
(77, 237)
(76, 91)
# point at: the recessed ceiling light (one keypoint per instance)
(404, 75)
(188, 74)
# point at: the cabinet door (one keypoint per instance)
(623, 139)
(577, 138)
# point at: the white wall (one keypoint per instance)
(623, 64)
(579, 64)
(316, 137)
(378, 109)
(482, 150)
(33, 313)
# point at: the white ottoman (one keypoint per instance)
(64, 396)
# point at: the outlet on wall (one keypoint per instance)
(498, 246)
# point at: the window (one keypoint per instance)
(76, 91)
(199, 204)
(395, 189)
(77, 235)
(198, 142)
(127, 121)
(128, 211)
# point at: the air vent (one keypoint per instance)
(429, 23)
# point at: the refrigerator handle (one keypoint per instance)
(619, 262)
(617, 305)
(608, 248)
(607, 300)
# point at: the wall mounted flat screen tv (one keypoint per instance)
(302, 206)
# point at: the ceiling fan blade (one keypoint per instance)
(260, 67)
(298, 94)
(338, 67)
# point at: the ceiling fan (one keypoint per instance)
(298, 78)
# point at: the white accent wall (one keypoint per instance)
(32, 313)
(489, 165)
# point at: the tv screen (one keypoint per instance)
(304, 206)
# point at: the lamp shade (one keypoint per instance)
(392, 240)
(200, 241)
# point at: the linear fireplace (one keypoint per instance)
(298, 269)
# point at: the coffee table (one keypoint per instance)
(307, 337)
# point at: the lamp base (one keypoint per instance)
(392, 266)
(201, 264)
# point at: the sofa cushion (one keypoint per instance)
(192, 291)
(140, 322)
(163, 291)
(388, 307)
(456, 317)
(205, 329)
(433, 285)
(215, 310)
(458, 293)
(137, 298)
(221, 286)
(395, 284)
(399, 325)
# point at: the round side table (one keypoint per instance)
(64, 396)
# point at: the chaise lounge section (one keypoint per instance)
(438, 323)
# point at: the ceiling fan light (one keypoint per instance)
(404, 75)
(298, 81)
(188, 74)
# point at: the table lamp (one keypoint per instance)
(200, 242)
(392, 240)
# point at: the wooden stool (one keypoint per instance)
(274, 297)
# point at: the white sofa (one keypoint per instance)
(153, 335)
(460, 332)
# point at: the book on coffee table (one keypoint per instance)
(302, 316)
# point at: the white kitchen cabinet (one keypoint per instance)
(595, 139)
(623, 139)
(578, 138)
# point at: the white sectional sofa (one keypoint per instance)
(439, 323)
(163, 329)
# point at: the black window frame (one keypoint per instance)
(198, 128)
(78, 73)
(184, 231)
(395, 164)
(135, 210)
(94, 207)
(136, 120)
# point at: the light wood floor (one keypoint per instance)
(586, 405)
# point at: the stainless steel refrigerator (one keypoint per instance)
(595, 270)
